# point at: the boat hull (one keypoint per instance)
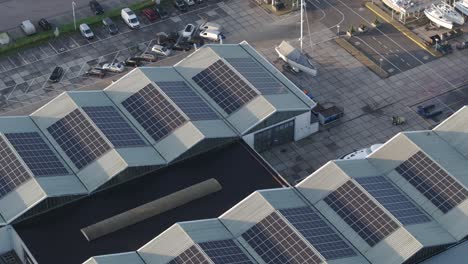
(295, 59)
(441, 22)
(460, 6)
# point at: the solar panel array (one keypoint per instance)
(224, 86)
(78, 139)
(153, 112)
(275, 242)
(393, 200)
(190, 256)
(361, 213)
(224, 252)
(190, 102)
(257, 75)
(318, 233)
(432, 181)
(34, 151)
(12, 172)
(114, 126)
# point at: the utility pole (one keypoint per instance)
(74, 18)
(302, 21)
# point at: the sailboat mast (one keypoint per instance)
(302, 21)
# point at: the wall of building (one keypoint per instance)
(20, 248)
(302, 128)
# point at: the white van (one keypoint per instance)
(212, 35)
(189, 2)
(130, 18)
(211, 26)
(28, 27)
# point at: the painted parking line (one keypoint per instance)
(75, 42)
(52, 47)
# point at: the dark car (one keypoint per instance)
(96, 72)
(133, 62)
(56, 74)
(197, 40)
(182, 45)
(95, 7)
(150, 14)
(173, 36)
(181, 5)
(147, 57)
(161, 12)
(44, 24)
(110, 26)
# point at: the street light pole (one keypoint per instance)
(73, 8)
(380, 65)
(338, 30)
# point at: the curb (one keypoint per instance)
(400, 27)
(361, 57)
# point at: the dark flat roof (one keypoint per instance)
(55, 237)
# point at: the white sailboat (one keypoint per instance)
(434, 14)
(462, 6)
(295, 58)
(451, 13)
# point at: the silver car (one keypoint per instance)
(114, 67)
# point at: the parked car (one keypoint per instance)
(180, 5)
(189, 2)
(188, 30)
(147, 57)
(210, 26)
(133, 62)
(161, 12)
(182, 45)
(173, 36)
(95, 7)
(161, 50)
(211, 35)
(96, 72)
(44, 24)
(110, 26)
(197, 40)
(28, 27)
(86, 32)
(150, 14)
(130, 18)
(113, 67)
(56, 74)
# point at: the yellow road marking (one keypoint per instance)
(403, 30)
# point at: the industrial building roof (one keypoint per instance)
(405, 202)
(64, 224)
(84, 141)
(259, 89)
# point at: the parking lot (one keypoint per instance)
(23, 76)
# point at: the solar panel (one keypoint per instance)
(224, 252)
(34, 151)
(275, 242)
(190, 102)
(78, 139)
(114, 126)
(361, 213)
(154, 112)
(12, 172)
(190, 256)
(257, 75)
(393, 200)
(318, 233)
(432, 181)
(224, 86)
